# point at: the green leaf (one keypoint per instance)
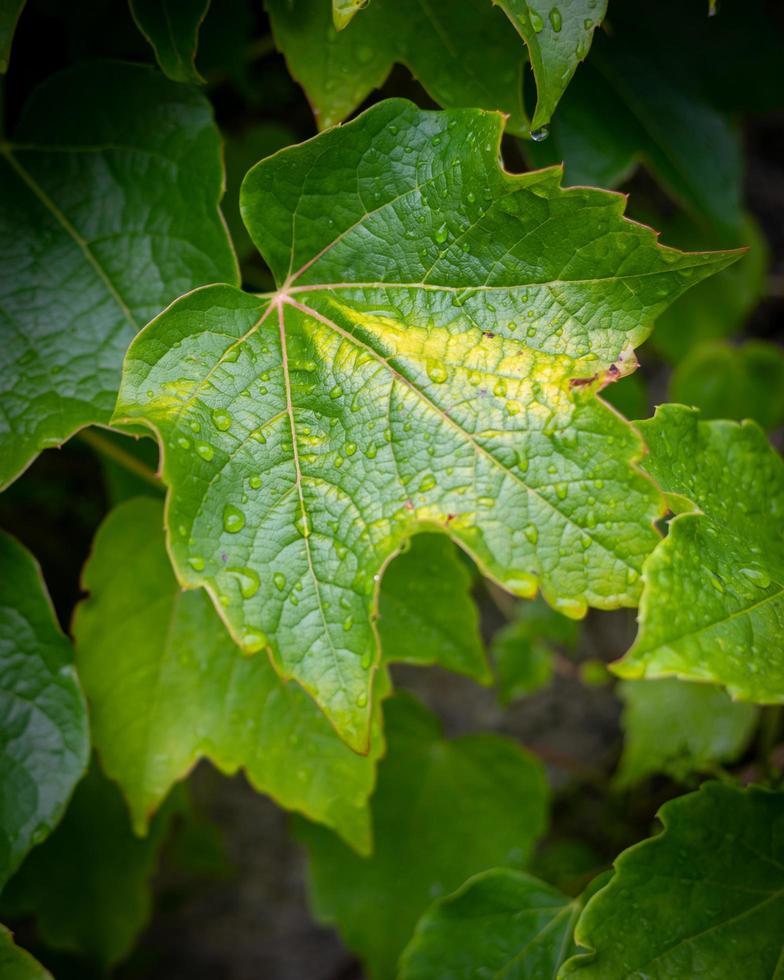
(108, 214)
(501, 923)
(703, 898)
(679, 728)
(623, 107)
(426, 614)
(44, 740)
(443, 810)
(9, 16)
(172, 28)
(713, 600)
(720, 308)
(430, 358)
(466, 55)
(88, 884)
(167, 685)
(16, 963)
(558, 37)
(344, 10)
(523, 650)
(733, 382)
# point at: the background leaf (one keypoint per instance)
(44, 740)
(705, 896)
(432, 796)
(15, 963)
(9, 15)
(466, 55)
(172, 28)
(446, 376)
(713, 600)
(108, 214)
(88, 884)
(501, 923)
(680, 728)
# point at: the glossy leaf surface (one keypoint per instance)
(489, 793)
(707, 895)
(167, 685)
(679, 728)
(501, 923)
(44, 740)
(558, 37)
(463, 55)
(172, 28)
(88, 885)
(431, 357)
(108, 214)
(713, 603)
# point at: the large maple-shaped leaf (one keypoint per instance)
(44, 741)
(558, 37)
(464, 55)
(108, 213)
(431, 357)
(704, 898)
(713, 604)
(443, 810)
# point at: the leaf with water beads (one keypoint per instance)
(396, 382)
(712, 608)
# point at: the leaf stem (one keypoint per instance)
(106, 448)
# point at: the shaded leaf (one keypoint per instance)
(108, 214)
(707, 894)
(558, 37)
(721, 309)
(679, 728)
(733, 382)
(44, 740)
(713, 601)
(431, 357)
(426, 614)
(484, 790)
(88, 884)
(16, 963)
(167, 685)
(9, 15)
(465, 55)
(499, 923)
(172, 28)
(623, 107)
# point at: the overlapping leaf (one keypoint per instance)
(443, 810)
(558, 36)
(431, 357)
(703, 898)
(88, 885)
(501, 923)
(463, 55)
(713, 604)
(16, 963)
(166, 685)
(9, 15)
(108, 214)
(172, 28)
(44, 741)
(679, 728)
